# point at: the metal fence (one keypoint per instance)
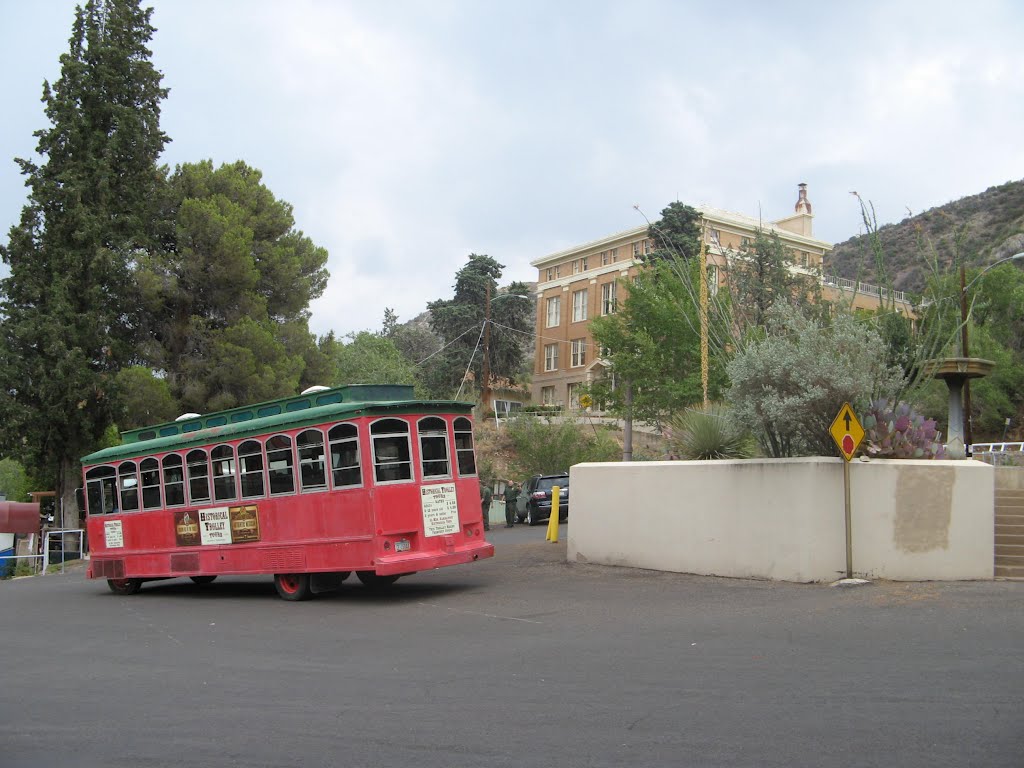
(999, 454)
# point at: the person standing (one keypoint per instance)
(486, 495)
(511, 495)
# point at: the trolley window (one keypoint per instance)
(174, 480)
(464, 446)
(345, 470)
(101, 490)
(391, 451)
(198, 476)
(223, 460)
(150, 484)
(128, 486)
(281, 464)
(434, 447)
(312, 475)
(250, 465)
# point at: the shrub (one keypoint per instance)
(900, 433)
(707, 433)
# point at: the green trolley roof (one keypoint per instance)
(292, 412)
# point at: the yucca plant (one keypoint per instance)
(707, 433)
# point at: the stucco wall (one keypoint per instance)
(783, 518)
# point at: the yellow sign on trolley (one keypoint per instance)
(847, 431)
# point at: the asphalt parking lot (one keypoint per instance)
(521, 660)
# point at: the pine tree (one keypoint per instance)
(69, 313)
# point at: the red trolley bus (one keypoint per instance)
(308, 488)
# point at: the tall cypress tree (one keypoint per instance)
(68, 308)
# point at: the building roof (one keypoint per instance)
(713, 215)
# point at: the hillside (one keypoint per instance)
(979, 229)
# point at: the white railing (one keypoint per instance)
(999, 453)
(846, 284)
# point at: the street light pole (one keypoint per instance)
(485, 385)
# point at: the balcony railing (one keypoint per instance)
(845, 284)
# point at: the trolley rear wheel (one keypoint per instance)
(293, 586)
(374, 581)
(124, 586)
(203, 579)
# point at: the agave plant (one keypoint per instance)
(899, 432)
(708, 433)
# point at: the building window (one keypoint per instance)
(608, 299)
(712, 280)
(614, 254)
(554, 313)
(647, 247)
(547, 395)
(573, 394)
(551, 357)
(605, 258)
(550, 273)
(575, 266)
(579, 306)
(636, 250)
(578, 354)
(583, 264)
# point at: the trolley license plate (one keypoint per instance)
(403, 545)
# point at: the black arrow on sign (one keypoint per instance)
(846, 418)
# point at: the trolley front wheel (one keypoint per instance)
(124, 586)
(293, 586)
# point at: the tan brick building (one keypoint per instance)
(578, 284)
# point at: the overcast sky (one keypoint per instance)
(408, 135)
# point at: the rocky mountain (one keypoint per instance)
(977, 230)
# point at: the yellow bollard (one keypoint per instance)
(553, 520)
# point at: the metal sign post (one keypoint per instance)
(848, 434)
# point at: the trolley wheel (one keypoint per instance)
(202, 579)
(124, 586)
(293, 586)
(375, 581)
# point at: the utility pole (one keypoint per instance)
(968, 432)
(485, 385)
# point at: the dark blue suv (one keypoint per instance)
(534, 503)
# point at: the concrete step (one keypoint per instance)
(1009, 540)
(1009, 529)
(1009, 519)
(1016, 560)
(1009, 572)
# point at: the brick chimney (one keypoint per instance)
(803, 205)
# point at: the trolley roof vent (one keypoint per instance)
(314, 388)
(187, 416)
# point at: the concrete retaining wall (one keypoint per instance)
(783, 518)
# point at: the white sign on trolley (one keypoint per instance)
(440, 509)
(113, 534)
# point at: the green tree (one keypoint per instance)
(141, 398)
(370, 358)
(543, 447)
(653, 341)
(459, 322)
(227, 296)
(15, 483)
(764, 273)
(677, 235)
(788, 386)
(68, 307)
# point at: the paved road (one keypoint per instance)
(523, 660)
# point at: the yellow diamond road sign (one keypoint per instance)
(847, 431)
